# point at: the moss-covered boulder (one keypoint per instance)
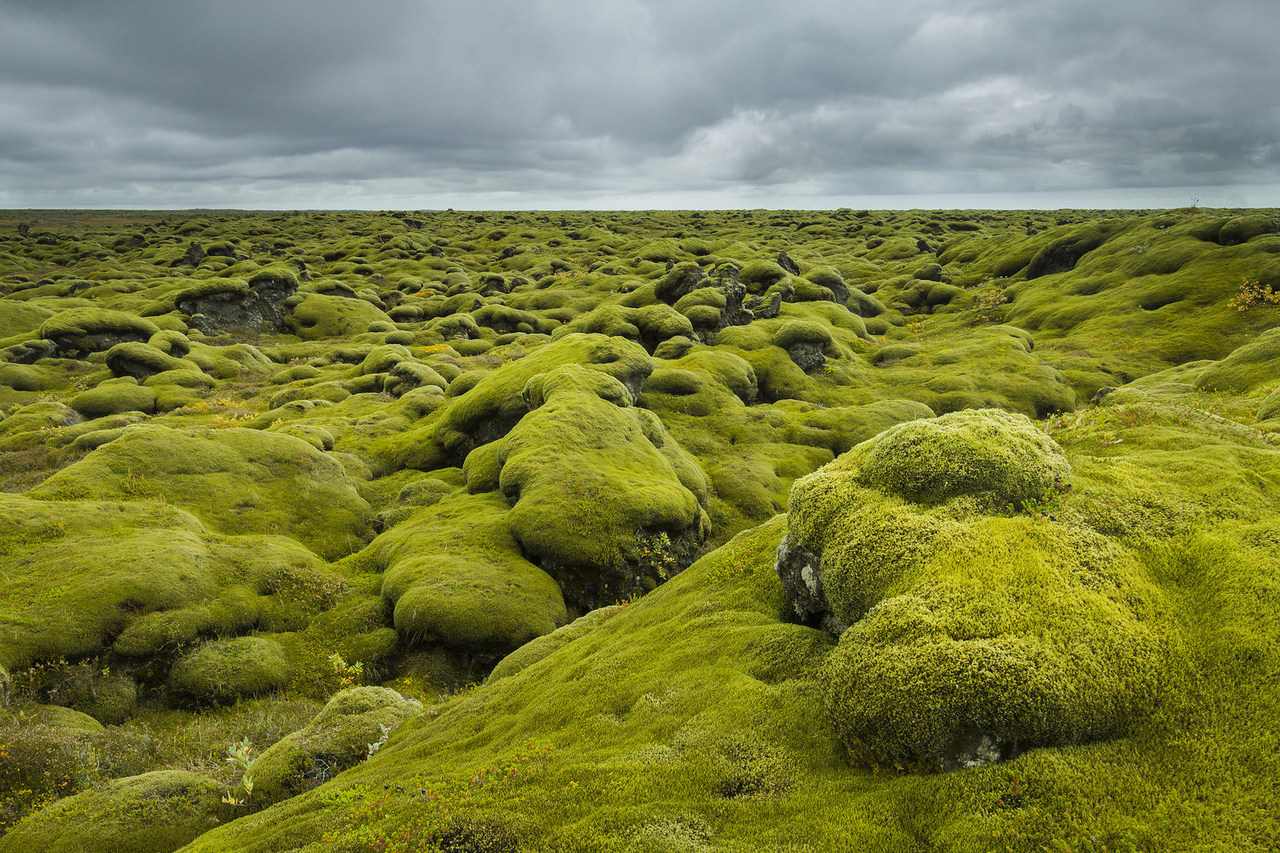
(318, 316)
(453, 574)
(970, 636)
(140, 360)
(486, 407)
(115, 396)
(221, 305)
(77, 332)
(1269, 408)
(988, 454)
(350, 728)
(58, 717)
(594, 483)
(223, 671)
(1248, 366)
(140, 579)
(235, 480)
(153, 813)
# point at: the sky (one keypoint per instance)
(639, 104)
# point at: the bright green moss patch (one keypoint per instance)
(350, 728)
(1005, 637)
(487, 408)
(152, 813)
(455, 575)
(224, 670)
(115, 396)
(238, 480)
(79, 331)
(1248, 366)
(141, 579)
(996, 457)
(318, 316)
(586, 480)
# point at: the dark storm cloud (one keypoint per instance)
(386, 103)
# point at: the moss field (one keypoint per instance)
(651, 531)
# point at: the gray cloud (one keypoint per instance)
(628, 102)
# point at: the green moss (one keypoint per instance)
(19, 317)
(29, 377)
(113, 397)
(143, 580)
(535, 650)
(424, 492)
(222, 671)
(1250, 365)
(455, 575)
(152, 813)
(482, 468)
(239, 480)
(182, 378)
(584, 477)
(85, 330)
(794, 332)
(493, 404)
(955, 661)
(946, 662)
(108, 699)
(59, 717)
(988, 454)
(721, 738)
(1270, 407)
(760, 275)
(222, 287)
(350, 728)
(318, 316)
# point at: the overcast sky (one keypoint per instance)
(408, 104)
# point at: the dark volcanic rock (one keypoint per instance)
(800, 571)
(680, 280)
(260, 309)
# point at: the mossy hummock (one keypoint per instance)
(970, 637)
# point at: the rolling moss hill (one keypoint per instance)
(667, 531)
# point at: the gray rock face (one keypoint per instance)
(800, 571)
(734, 314)
(261, 309)
(807, 356)
(976, 749)
(768, 312)
(679, 281)
(29, 352)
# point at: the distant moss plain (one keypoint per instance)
(253, 460)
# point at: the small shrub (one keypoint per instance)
(1254, 294)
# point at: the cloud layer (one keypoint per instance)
(633, 103)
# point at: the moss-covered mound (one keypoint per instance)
(224, 670)
(152, 813)
(235, 480)
(488, 407)
(455, 575)
(593, 483)
(350, 728)
(80, 331)
(141, 580)
(986, 454)
(969, 636)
